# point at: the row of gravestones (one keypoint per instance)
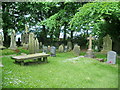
(67, 48)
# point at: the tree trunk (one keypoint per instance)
(72, 34)
(44, 34)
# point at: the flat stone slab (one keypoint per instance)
(30, 56)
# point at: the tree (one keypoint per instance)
(61, 18)
(100, 18)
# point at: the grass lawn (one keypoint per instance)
(60, 73)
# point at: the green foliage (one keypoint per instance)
(93, 15)
(60, 73)
(7, 52)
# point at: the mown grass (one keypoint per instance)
(60, 73)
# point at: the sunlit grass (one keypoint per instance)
(60, 73)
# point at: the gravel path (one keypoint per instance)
(72, 59)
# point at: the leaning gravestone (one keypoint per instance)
(53, 51)
(61, 48)
(76, 50)
(31, 45)
(45, 49)
(111, 57)
(1, 42)
(36, 46)
(107, 44)
(13, 41)
(69, 45)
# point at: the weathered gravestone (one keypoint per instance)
(45, 49)
(61, 48)
(13, 41)
(69, 46)
(37, 50)
(1, 42)
(107, 44)
(89, 52)
(111, 57)
(31, 45)
(53, 51)
(76, 50)
(65, 49)
(25, 36)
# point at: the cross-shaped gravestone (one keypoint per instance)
(90, 38)
(89, 52)
(26, 29)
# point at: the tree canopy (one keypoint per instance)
(98, 18)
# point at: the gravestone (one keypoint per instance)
(53, 51)
(45, 49)
(61, 48)
(111, 57)
(1, 42)
(25, 46)
(31, 45)
(107, 44)
(13, 41)
(37, 50)
(56, 45)
(89, 52)
(41, 46)
(25, 36)
(96, 48)
(49, 48)
(76, 50)
(65, 49)
(69, 46)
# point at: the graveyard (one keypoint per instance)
(59, 51)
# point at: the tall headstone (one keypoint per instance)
(89, 52)
(61, 48)
(13, 41)
(76, 50)
(37, 50)
(111, 57)
(69, 45)
(25, 37)
(107, 44)
(1, 42)
(31, 45)
(53, 51)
